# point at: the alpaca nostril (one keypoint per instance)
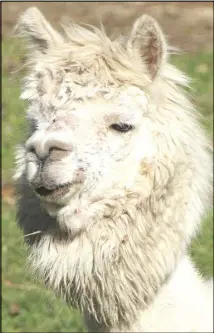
(37, 152)
(54, 145)
(32, 150)
(56, 153)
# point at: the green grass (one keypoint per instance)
(12, 107)
(200, 68)
(38, 310)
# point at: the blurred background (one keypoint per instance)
(26, 305)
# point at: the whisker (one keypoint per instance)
(33, 233)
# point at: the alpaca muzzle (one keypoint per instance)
(54, 142)
(47, 187)
(48, 147)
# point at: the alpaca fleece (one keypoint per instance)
(116, 246)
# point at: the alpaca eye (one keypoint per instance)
(121, 127)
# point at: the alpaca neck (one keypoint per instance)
(181, 304)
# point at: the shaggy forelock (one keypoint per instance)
(89, 55)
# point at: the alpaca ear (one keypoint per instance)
(147, 41)
(33, 26)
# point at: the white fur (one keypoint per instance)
(115, 245)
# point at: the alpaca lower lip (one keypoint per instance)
(42, 191)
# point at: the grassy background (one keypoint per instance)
(27, 306)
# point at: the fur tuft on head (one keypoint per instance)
(139, 60)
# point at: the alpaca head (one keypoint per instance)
(88, 108)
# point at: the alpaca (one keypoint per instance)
(114, 177)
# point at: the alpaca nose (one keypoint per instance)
(52, 145)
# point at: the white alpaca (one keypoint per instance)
(114, 178)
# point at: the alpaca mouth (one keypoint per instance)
(58, 191)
